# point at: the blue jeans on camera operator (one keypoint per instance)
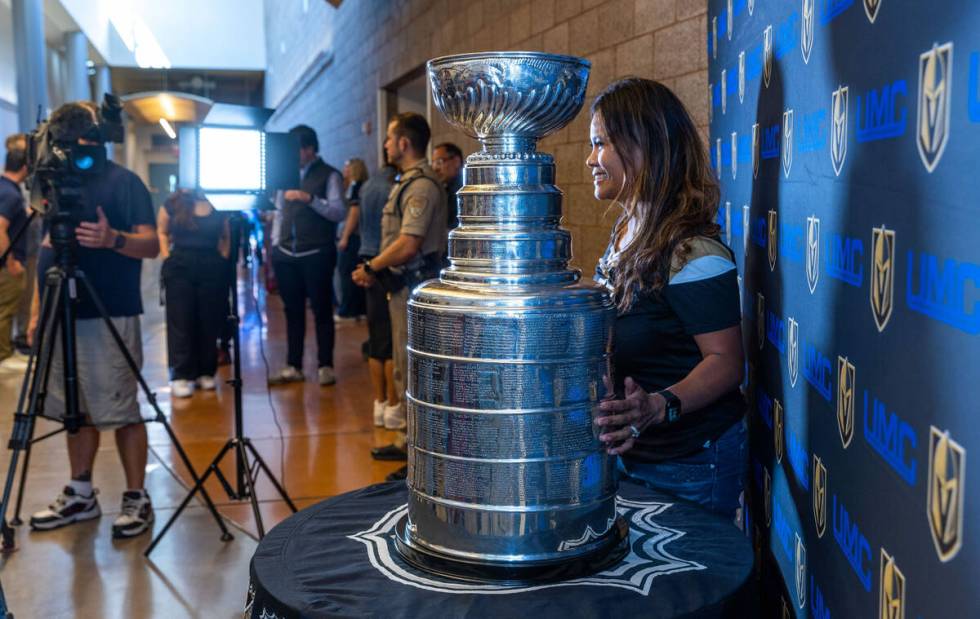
(713, 477)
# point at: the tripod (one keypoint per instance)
(57, 316)
(248, 461)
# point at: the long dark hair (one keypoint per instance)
(669, 187)
(180, 206)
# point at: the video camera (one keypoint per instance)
(57, 163)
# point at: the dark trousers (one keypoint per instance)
(351, 295)
(195, 284)
(307, 277)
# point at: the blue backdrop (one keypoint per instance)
(846, 135)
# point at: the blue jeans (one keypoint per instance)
(713, 477)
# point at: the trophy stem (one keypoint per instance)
(509, 144)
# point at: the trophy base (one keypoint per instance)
(611, 550)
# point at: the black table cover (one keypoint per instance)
(337, 559)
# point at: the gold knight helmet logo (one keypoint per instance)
(812, 252)
(755, 150)
(777, 429)
(838, 128)
(741, 76)
(871, 9)
(800, 571)
(718, 156)
(787, 142)
(746, 216)
(751, 6)
(882, 275)
(793, 350)
(728, 222)
(947, 470)
(724, 90)
(891, 591)
(767, 55)
(760, 319)
(734, 156)
(772, 243)
(714, 38)
(819, 495)
(932, 120)
(845, 400)
(731, 20)
(806, 30)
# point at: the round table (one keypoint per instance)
(337, 559)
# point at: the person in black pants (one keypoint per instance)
(194, 241)
(304, 255)
(348, 245)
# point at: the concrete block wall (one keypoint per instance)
(376, 42)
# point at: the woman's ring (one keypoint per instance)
(634, 432)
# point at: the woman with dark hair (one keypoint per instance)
(676, 417)
(194, 240)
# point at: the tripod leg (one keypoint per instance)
(250, 488)
(151, 398)
(272, 478)
(198, 485)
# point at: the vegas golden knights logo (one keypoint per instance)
(714, 38)
(724, 91)
(812, 252)
(772, 243)
(767, 495)
(806, 34)
(947, 472)
(891, 591)
(711, 103)
(755, 151)
(760, 319)
(777, 429)
(793, 351)
(741, 76)
(751, 4)
(819, 496)
(745, 229)
(800, 571)
(846, 388)
(734, 158)
(718, 156)
(731, 21)
(838, 129)
(787, 142)
(767, 55)
(882, 275)
(932, 120)
(871, 9)
(728, 221)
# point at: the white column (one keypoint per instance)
(76, 74)
(32, 87)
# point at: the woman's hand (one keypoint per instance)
(626, 418)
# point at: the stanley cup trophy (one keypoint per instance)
(507, 350)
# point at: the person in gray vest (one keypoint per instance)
(304, 255)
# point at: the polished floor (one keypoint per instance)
(316, 439)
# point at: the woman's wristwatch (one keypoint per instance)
(672, 412)
(368, 269)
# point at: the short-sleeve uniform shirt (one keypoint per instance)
(422, 211)
(12, 209)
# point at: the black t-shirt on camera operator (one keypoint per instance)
(116, 278)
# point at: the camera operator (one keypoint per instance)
(13, 218)
(115, 231)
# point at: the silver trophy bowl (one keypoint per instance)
(507, 350)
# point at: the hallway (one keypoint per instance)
(325, 439)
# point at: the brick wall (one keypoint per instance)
(375, 42)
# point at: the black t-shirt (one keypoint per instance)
(115, 277)
(654, 344)
(12, 209)
(203, 233)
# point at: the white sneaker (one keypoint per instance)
(181, 388)
(136, 515)
(379, 413)
(69, 507)
(394, 417)
(206, 383)
(288, 374)
(325, 375)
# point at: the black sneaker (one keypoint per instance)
(136, 516)
(399, 475)
(68, 508)
(389, 452)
